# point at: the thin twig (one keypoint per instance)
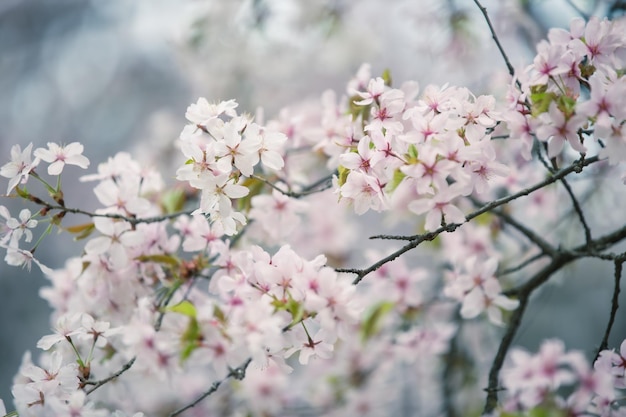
(514, 324)
(543, 244)
(131, 220)
(237, 373)
(521, 265)
(416, 240)
(619, 262)
(576, 166)
(578, 209)
(495, 38)
(578, 10)
(98, 384)
(318, 186)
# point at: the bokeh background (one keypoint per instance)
(118, 75)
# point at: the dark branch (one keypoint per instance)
(578, 210)
(98, 384)
(416, 240)
(619, 262)
(483, 10)
(237, 373)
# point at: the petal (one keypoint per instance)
(56, 167)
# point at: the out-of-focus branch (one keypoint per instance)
(98, 384)
(483, 10)
(237, 373)
(618, 264)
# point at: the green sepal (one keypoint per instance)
(413, 154)
(22, 192)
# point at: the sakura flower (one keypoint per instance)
(320, 345)
(439, 208)
(20, 166)
(548, 63)
(18, 228)
(76, 406)
(269, 145)
(365, 191)
(363, 160)
(67, 326)
(59, 156)
(202, 112)
(122, 196)
(117, 237)
(558, 128)
(224, 219)
(277, 214)
(23, 258)
(487, 297)
(232, 150)
(54, 377)
(217, 191)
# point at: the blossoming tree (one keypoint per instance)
(226, 293)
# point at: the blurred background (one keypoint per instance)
(118, 75)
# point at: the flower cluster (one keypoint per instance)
(171, 297)
(533, 381)
(574, 86)
(219, 153)
(397, 149)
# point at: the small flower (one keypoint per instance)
(18, 228)
(59, 156)
(20, 166)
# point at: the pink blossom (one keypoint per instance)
(59, 156)
(20, 166)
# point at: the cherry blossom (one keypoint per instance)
(20, 166)
(59, 156)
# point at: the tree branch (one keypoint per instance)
(619, 262)
(416, 240)
(483, 10)
(577, 209)
(98, 384)
(238, 373)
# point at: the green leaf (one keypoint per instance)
(343, 174)
(370, 325)
(160, 258)
(296, 310)
(219, 314)
(190, 339)
(357, 110)
(173, 201)
(22, 192)
(541, 101)
(81, 231)
(256, 187)
(398, 176)
(387, 77)
(185, 308)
